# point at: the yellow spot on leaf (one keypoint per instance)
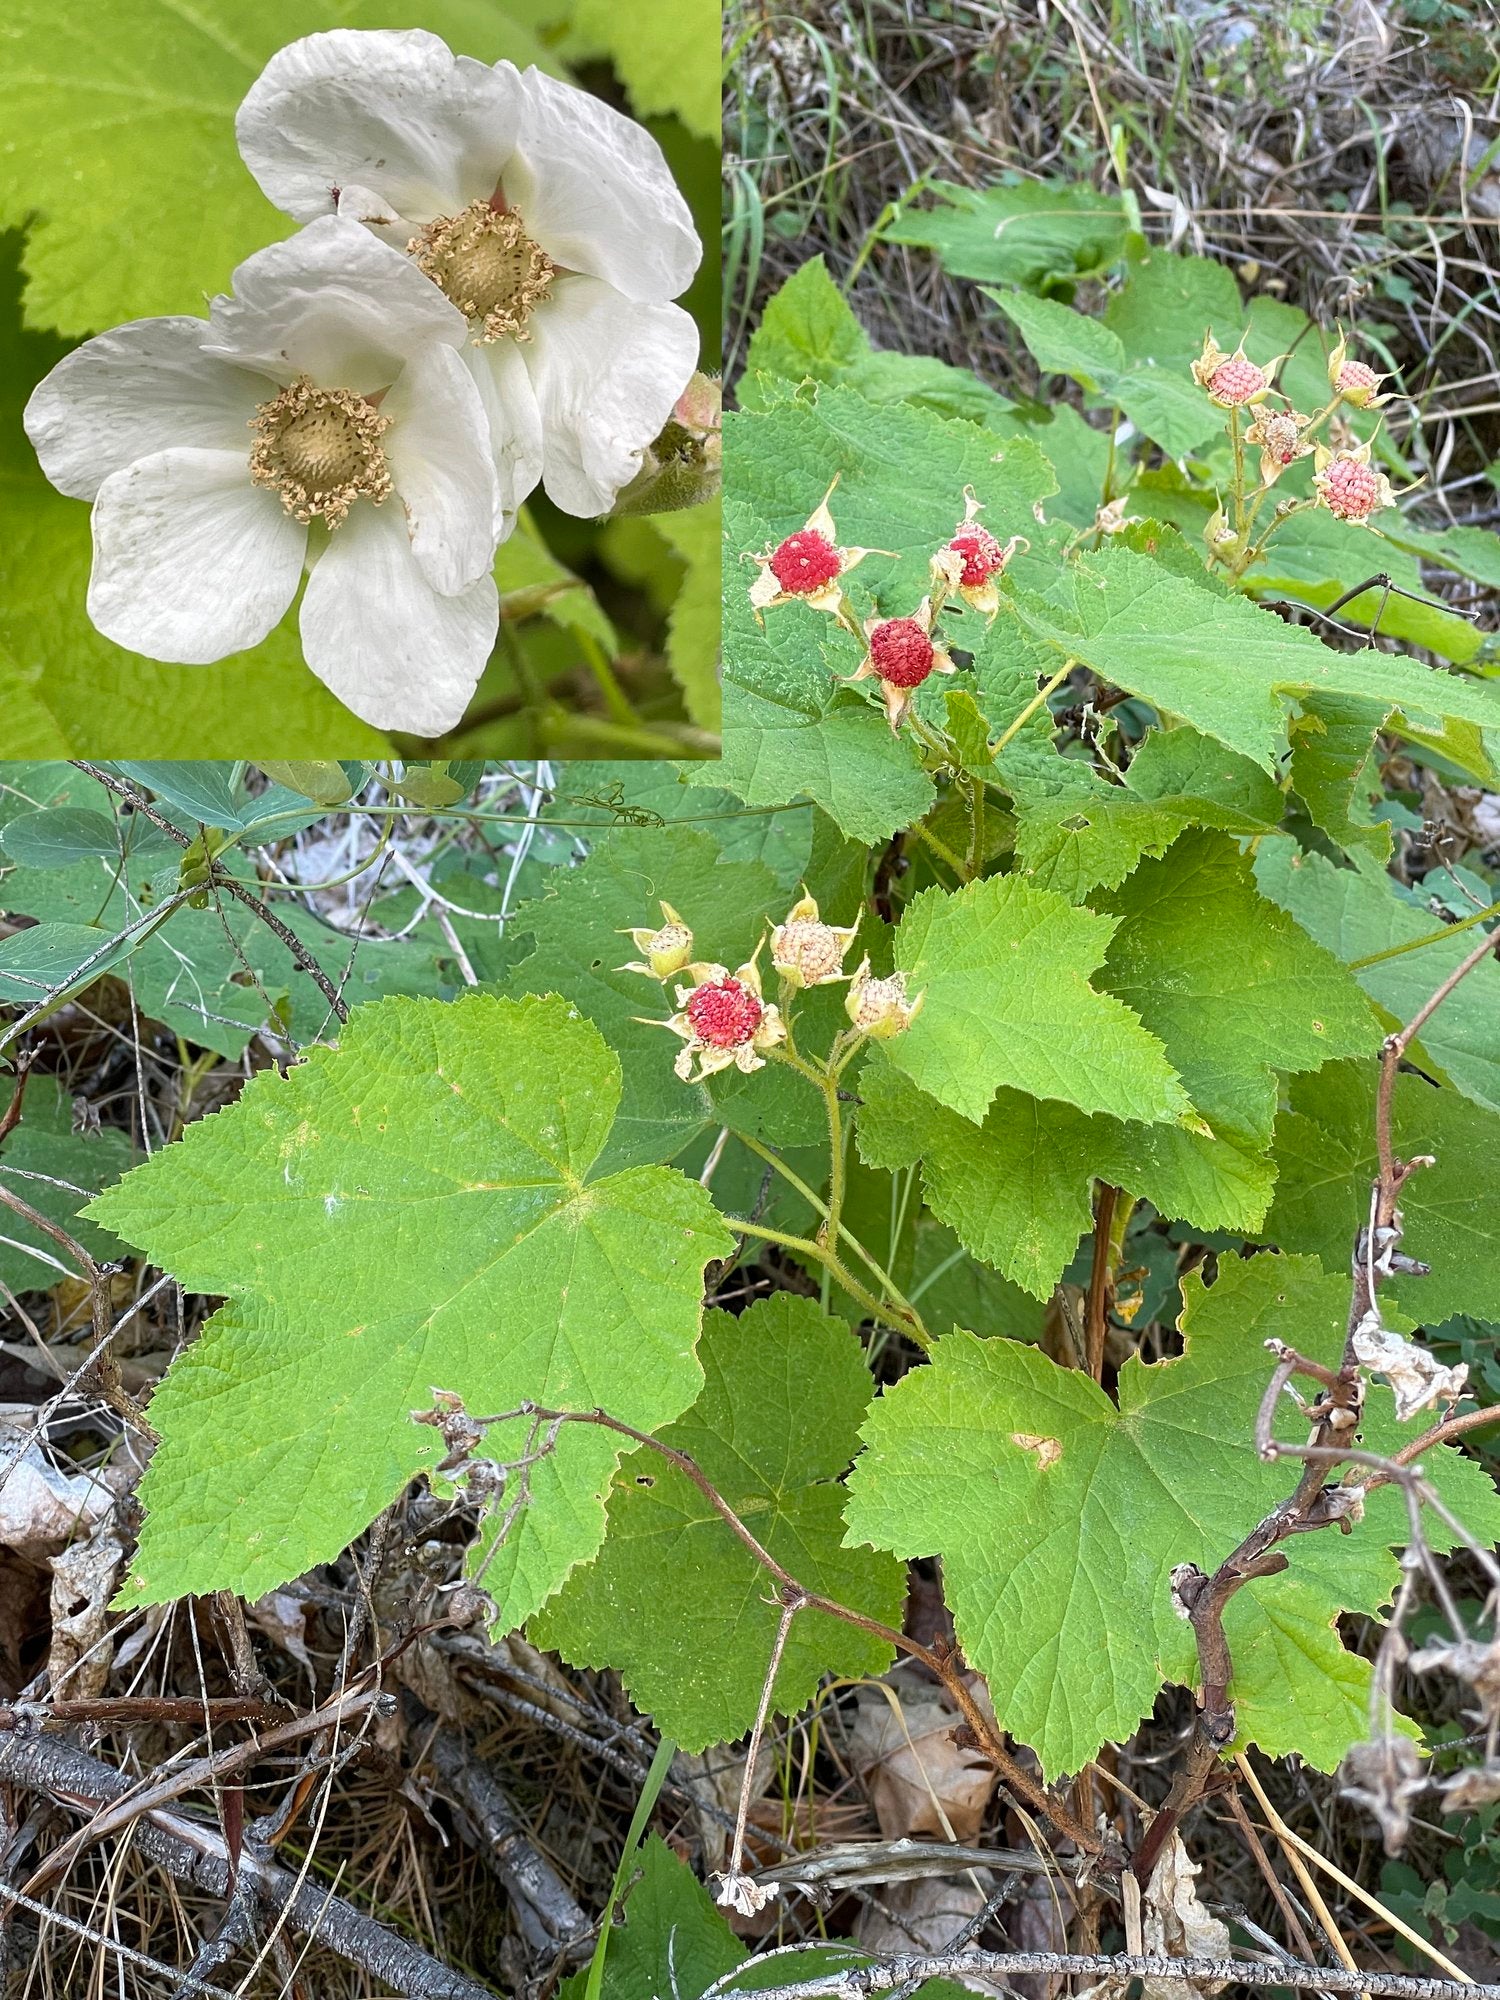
(1048, 1450)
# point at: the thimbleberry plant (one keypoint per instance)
(1077, 1137)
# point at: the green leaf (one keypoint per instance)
(417, 1208)
(1005, 972)
(1331, 771)
(1059, 1518)
(807, 332)
(1232, 986)
(55, 1169)
(580, 950)
(1167, 407)
(1074, 831)
(666, 52)
(1167, 304)
(693, 533)
(1038, 234)
(322, 779)
(1317, 559)
(674, 1600)
(1355, 913)
(60, 836)
(1016, 1190)
(672, 1940)
(673, 1944)
(969, 731)
(1159, 635)
(121, 131)
(31, 730)
(214, 976)
(1325, 1163)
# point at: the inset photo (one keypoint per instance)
(360, 393)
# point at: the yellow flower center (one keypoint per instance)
(485, 263)
(320, 450)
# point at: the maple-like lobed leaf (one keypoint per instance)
(1005, 970)
(1059, 1516)
(414, 1209)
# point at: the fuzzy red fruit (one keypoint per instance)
(1351, 489)
(724, 1014)
(1236, 382)
(805, 562)
(1355, 376)
(902, 652)
(982, 554)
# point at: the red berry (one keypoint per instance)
(1356, 375)
(982, 554)
(724, 1014)
(805, 562)
(902, 652)
(1235, 382)
(1351, 488)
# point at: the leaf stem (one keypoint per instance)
(917, 1331)
(1032, 706)
(1416, 944)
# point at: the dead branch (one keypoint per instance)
(547, 1915)
(915, 1967)
(197, 1853)
(1315, 1503)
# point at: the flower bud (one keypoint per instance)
(667, 950)
(1221, 538)
(879, 1008)
(684, 465)
(808, 952)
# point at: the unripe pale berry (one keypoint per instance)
(879, 1007)
(1282, 435)
(901, 652)
(804, 562)
(810, 952)
(1351, 489)
(1356, 379)
(1235, 382)
(724, 1014)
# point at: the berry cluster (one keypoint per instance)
(809, 565)
(724, 1018)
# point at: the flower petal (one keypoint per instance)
(597, 194)
(606, 371)
(388, 645)
(515, 423)
(191, 561)
(438, 452)
(332, 302)
(141, 389)
(393, 112)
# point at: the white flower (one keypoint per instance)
(552, 221)
(330, 389)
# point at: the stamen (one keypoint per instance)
(485, 263)
(320, 450)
